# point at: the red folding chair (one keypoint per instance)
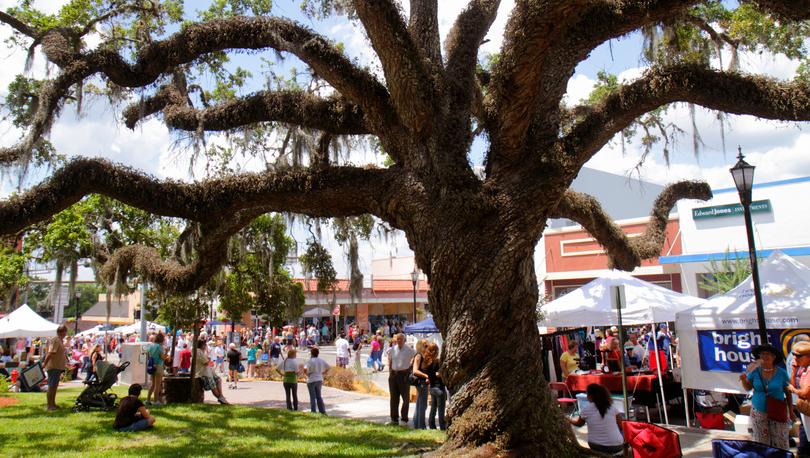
(651, 441)
(564, 397)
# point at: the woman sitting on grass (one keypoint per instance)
(604, 421)
(132, 415)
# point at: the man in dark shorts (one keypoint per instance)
(132, 416)
(55, 363)
(234, 359)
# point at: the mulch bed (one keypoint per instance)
(5, 402)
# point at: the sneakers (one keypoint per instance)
(392, 423)
(222, 400)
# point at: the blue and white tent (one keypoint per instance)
(426, 326)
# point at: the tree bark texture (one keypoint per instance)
(491, 362)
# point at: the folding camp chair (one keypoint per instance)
(722, 448)
(648, 440)
(564, 397)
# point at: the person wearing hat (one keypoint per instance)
(771, 401)
(800, 386)
(631, 359)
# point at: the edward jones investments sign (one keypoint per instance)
(758, 206)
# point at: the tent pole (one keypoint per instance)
(660, 377)
(619, 306)
(686, 407)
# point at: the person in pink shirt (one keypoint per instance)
(376, 353)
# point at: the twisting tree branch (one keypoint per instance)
(424, 29)
(171, 274)
(729, 92)
(462, 45)
(197, 40)
(333, 115)
(626, 253)
(332, 191)
(718, 37)
(18, 25)
(543, 43)
(794, 10)
(409, 81)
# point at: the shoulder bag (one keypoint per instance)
(775, 409)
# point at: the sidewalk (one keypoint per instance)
(337, 402)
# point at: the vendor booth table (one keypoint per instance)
(642, 388)
(593, 305)
(613, 382)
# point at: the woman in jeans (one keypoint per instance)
(315, 369)
(290, 368)
(438, 393)
(420, 365)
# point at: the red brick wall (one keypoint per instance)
(576, 251)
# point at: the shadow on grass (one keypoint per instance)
(201, 430)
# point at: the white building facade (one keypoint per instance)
(715, 230)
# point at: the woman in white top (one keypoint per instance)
(603, 419)
(315, 369)
(289, 369)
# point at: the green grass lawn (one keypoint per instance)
(26, 429)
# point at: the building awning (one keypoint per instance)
(708, 257)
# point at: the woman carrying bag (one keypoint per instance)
(801, 382)
(771, 401)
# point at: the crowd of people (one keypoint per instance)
(603, 348)
(218, 362)
(779, 397)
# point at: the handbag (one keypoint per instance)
(414, 380)
(775, 409)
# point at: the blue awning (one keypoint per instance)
(426, 326)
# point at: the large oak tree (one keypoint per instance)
(473, 235)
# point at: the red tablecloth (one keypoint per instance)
(613, 382)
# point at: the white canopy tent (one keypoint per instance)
(25, 322)
(316, 312)
(591, 305)
(785, 286)
(97, 329)
(135, 328)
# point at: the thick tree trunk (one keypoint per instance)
(484, 293)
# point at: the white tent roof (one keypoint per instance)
(94, 330)
(25, 322)
(135, 328)
(591, 304)
(317, 312)
(785, 286)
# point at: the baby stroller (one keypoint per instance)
(95, 394)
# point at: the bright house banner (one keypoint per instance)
(729, 350)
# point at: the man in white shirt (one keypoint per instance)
(342, 351)
(638, 349)
(399, 363)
